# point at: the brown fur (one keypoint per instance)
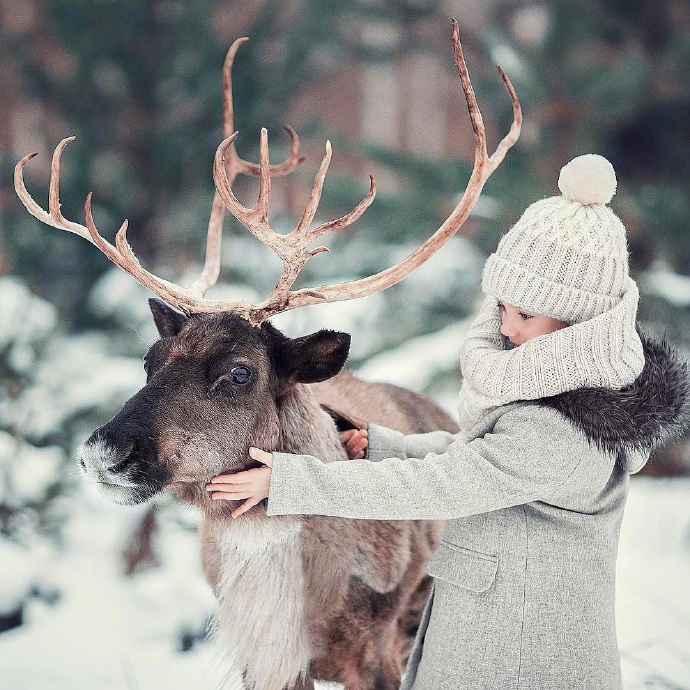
(299, 597)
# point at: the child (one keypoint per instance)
(561, 401)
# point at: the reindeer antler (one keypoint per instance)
(188, 300)
(234, 165)
(292, 247)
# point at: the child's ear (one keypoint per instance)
(168, 321)
(311, 358)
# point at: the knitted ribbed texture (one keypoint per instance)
(602, 352)
(567, 256)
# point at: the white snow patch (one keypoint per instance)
(25, 321)
(17, 576)
(23, 316)
(77, 376)
(33, 471)
(653, 585)
(664, 283)
(418, 361)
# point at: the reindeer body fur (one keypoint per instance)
(299, 597)
(290, 578)
(260, 583)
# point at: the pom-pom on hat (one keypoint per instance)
(567, 256)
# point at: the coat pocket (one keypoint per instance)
(462, 642)
(463, 567)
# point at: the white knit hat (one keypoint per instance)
(567, 256)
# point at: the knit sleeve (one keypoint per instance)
(528, 456)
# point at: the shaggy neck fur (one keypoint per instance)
(262, 582)
(261, 585)
(639, 417)
(306, 428)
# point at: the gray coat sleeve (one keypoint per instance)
(529, 455)
(388, 443)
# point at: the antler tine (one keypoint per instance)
(236, 163)
(350, 217)
(211, 270)
(484, 163)
(254, 219)
(315, 196)
(513, 135)
(304, 236)
(228, 104)
(55, 217)
(313, 203)
(122, 256)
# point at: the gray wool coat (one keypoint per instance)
(533, 495)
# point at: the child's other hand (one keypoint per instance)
(252, 485)
(355, 442)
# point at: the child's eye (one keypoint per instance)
(525, 317)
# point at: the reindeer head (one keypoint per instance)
(215, 385)
(216, 377)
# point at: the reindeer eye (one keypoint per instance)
(240, 375)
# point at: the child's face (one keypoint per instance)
(520, 325)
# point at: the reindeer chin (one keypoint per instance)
(127, 495)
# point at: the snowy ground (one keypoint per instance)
(108, 632)
(653, 598)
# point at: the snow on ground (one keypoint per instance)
(108, 632)
(653, 593)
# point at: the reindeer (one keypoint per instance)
(299, 597)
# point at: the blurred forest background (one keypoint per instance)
(139, 84)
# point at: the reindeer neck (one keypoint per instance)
(305, 428)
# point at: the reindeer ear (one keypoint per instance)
(312, 358)
(168, 321)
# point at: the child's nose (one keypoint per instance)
(508, 328)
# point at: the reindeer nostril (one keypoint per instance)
(125, 456)
(120, 466)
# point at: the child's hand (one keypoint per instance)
(252, 485)
(355, 442)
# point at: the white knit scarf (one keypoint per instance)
(602, 352)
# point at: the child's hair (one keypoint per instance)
(567, 256)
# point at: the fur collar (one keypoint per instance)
(639, 417)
